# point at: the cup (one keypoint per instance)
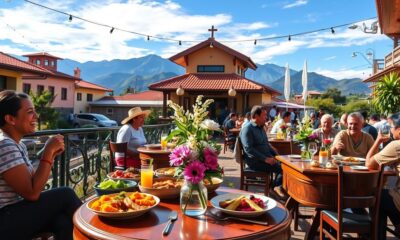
(385, 130)
(146, 176)
(164, 141)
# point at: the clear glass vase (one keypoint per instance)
(193, 198)
(305, 151)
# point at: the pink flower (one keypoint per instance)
(210, 159)
(179, 155)
(194, 172)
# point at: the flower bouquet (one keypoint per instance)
(327, 144)
(305, 136)
(195, 156)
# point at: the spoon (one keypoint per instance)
(172, 217)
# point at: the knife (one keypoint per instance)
(172, 217)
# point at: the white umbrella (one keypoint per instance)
(287, 83)
(304, 82)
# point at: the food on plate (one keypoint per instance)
(166, 171)
(111, 184)
(128, 173)
(314, 164)
(123, 202)
(330, 165)
(207, 182)
(242, 203)
(350, 159)
(167, 184)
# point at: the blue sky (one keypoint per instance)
(26, 28)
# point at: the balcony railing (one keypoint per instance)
(393, 58)
(86, 157)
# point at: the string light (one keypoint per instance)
(112, 30)
(211, 45)
(289, 38)
(70, 18)
(255, 42)
(196, 41)
(332, 30)
(180, 43)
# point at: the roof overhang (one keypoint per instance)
(389, 17)
(379, 75)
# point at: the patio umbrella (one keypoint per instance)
(287, 84)
(304, 82)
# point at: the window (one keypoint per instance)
(26, 88)
(63, 94)
(52, 63)
(46, 62)
(79, 96)
(51, 90)
(3, 83)
(110, 111)
(37, 61)
(89, 97)
(39, 89)
(210, 68)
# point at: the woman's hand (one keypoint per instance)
(54, 146)
(382, 138)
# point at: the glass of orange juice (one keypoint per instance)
(164, 141)
(146, 176)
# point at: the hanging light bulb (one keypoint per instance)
(289, 38)
(332, 30)
(70, 18)
(112, 30)
(232, 91)
(211, 45)
(255, 42)
(180, 91)
(180, 43)
(148, 38)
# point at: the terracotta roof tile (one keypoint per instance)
(142, 96)
(212, 82)
(377, 76)
(84, 84)
(9, 62)
(41, 54)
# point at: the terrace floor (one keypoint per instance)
(232, 179)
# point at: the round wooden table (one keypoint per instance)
(160, 156)
(88, 225)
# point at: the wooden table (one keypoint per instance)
(160, 156)
(285, 147)
(311, 186)
(88, 225)
(235, 131)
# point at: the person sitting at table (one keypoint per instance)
(285, 120)
(25, 209)
(371, 130)
(326, 131)
(390, 155)
(247, 119)
(258, 153)
(132, 133)
(239, 122)
(353, 141)
(230, 124)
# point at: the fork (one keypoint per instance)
(219, 218)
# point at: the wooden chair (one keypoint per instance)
(249, 177)
(355, 190)
(227, 142)
(120, 148)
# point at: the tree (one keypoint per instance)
(327, 104)
(387, 94)
(335, 94)
(47, 114)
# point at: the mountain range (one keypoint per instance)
(138, 73)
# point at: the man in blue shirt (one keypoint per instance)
(259, 155)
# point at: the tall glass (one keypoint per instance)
(164, 141)
(146, 176)
(385, 130)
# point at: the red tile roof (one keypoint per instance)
(247, 61)
(376, 77)
(41, 54)
(142, 96)
(12, 63)
(84, 84)
(212, 82)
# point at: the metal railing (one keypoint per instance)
(86, 157)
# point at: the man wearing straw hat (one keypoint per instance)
(132, 133)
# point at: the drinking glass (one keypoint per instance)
(164, 141)
(385, 130)
(146, 176)
(313, 147)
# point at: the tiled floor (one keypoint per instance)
(231, 179)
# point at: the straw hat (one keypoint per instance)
(134, 112)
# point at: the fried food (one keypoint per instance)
(167, 184)
(350, 159)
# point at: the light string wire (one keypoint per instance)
(113, 28)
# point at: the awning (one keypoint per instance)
(287, 105)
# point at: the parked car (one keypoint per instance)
(93, 119)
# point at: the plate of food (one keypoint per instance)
(123, 205)
(164, 188)
(109, 186)
(243, 205)
(211, 187)
(352, 160)
(156, 146)
(165, 172)
(128, 174)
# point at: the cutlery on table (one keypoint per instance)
(219, 218)
(172, 217)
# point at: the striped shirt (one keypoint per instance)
(12, 154)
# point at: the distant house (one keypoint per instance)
(310, 94)
(390, 26)
(117, 107)
(12, 69)
(215, 71)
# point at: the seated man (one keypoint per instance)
(367, 127)
(285, 120)
(326, 131)
(390, 155)
(258, 153)
(353, 141)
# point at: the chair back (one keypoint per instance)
(117, 148)
(239, 155)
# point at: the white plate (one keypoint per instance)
(122, 215)
(359, 168)
(294, 156)
(269, 204)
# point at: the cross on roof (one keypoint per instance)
(212, 30)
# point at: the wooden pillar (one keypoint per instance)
(164, 104)
(244, 103)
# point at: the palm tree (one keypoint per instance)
(387, 94)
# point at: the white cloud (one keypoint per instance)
(345, 73)
(296, 4)
(329, 58)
